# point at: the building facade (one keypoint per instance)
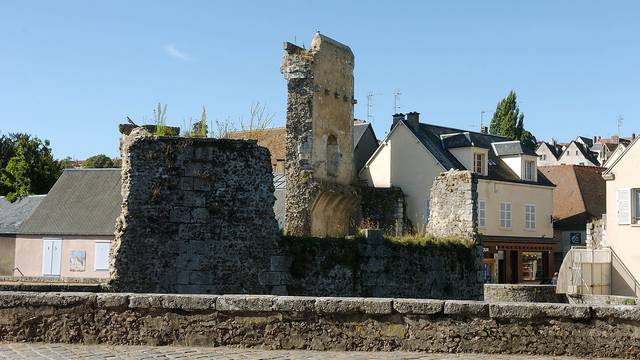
(515, 202)
(70, 232)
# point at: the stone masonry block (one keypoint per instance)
(294, 303)
(333, 305)
(466, 308)
(538, 310)
(107, 300)
(280, 263)
(377, 306)
(418, 306)
(189, 302)
(621, 312)
(239, 303)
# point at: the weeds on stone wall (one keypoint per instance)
(160, 117)
(428, 240)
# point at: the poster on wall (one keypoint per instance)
(77, 260)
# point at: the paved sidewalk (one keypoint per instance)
(66, 351)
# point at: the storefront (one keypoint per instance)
(515, 260)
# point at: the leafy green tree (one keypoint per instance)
(508, 121)
(32, 169)
(99, 161)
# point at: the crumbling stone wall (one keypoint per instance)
(322, 323)
(595, 234)
(453, 206)
(375, 267)
(385, 209)
(197, 215)
(319, 142)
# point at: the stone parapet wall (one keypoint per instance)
(522, 293)
(197, 215)
(321, 323)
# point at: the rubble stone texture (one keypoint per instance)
(197, 215)
(453, 206)
(320, 199)
(353, 324)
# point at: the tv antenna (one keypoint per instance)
(370, 96)
(620, 121)
(396, 97)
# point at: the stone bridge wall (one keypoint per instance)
(321, 323)
(197, 215)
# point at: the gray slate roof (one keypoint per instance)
(507, 148)
(359, 128)
(431, 137)
(587, 153)
(15, 213)
(82, 202)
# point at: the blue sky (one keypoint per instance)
(70, 71)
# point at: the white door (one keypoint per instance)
(51, 257)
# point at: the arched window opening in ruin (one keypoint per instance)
(333, 155)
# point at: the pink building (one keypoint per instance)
(70, 232)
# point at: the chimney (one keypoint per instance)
(595, 139)
(397, 117)
(633, 136)
(413, 119)
(484, 130)
(616, 139)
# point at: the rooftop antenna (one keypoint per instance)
(620, 121)
(396, 97)
(370, 96)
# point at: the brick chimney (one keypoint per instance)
(397, 117)
(413, 119)
(484, 130)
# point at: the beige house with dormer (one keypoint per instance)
(515, 201)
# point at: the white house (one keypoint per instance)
(515, 202)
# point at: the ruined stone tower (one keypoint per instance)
(320, 200)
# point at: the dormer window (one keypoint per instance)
(529, 170)
(478, 163)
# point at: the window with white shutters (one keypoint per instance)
(624, 206)
(102, 256)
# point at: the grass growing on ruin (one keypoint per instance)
(427, 240)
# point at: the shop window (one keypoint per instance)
(482, 213)
(532, 266)
(530, 217)
(505, 215)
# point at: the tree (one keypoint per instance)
(32, 170)
(508, 121)
(99, 161)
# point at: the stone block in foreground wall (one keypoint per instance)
(453, 205)
(197, 215)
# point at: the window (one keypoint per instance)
(543, 157)
(529, 170)
(101, 262)
(623, 200)
(530, 217)
(636, 205)
(576, 152)
(478, 163)
(505, 215)
(482, 213)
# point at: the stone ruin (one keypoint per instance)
(321, 200)
(197, 215)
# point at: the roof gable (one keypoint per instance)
(619, 158)
(81, 202)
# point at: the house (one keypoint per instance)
(603, 151)
(365, 143)
(578, 198)
(271, 138)
(622, 222)
(12, 214)
(515, 202)
(548, 153)
(578, 153)
(70, 232)
(615, 154)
